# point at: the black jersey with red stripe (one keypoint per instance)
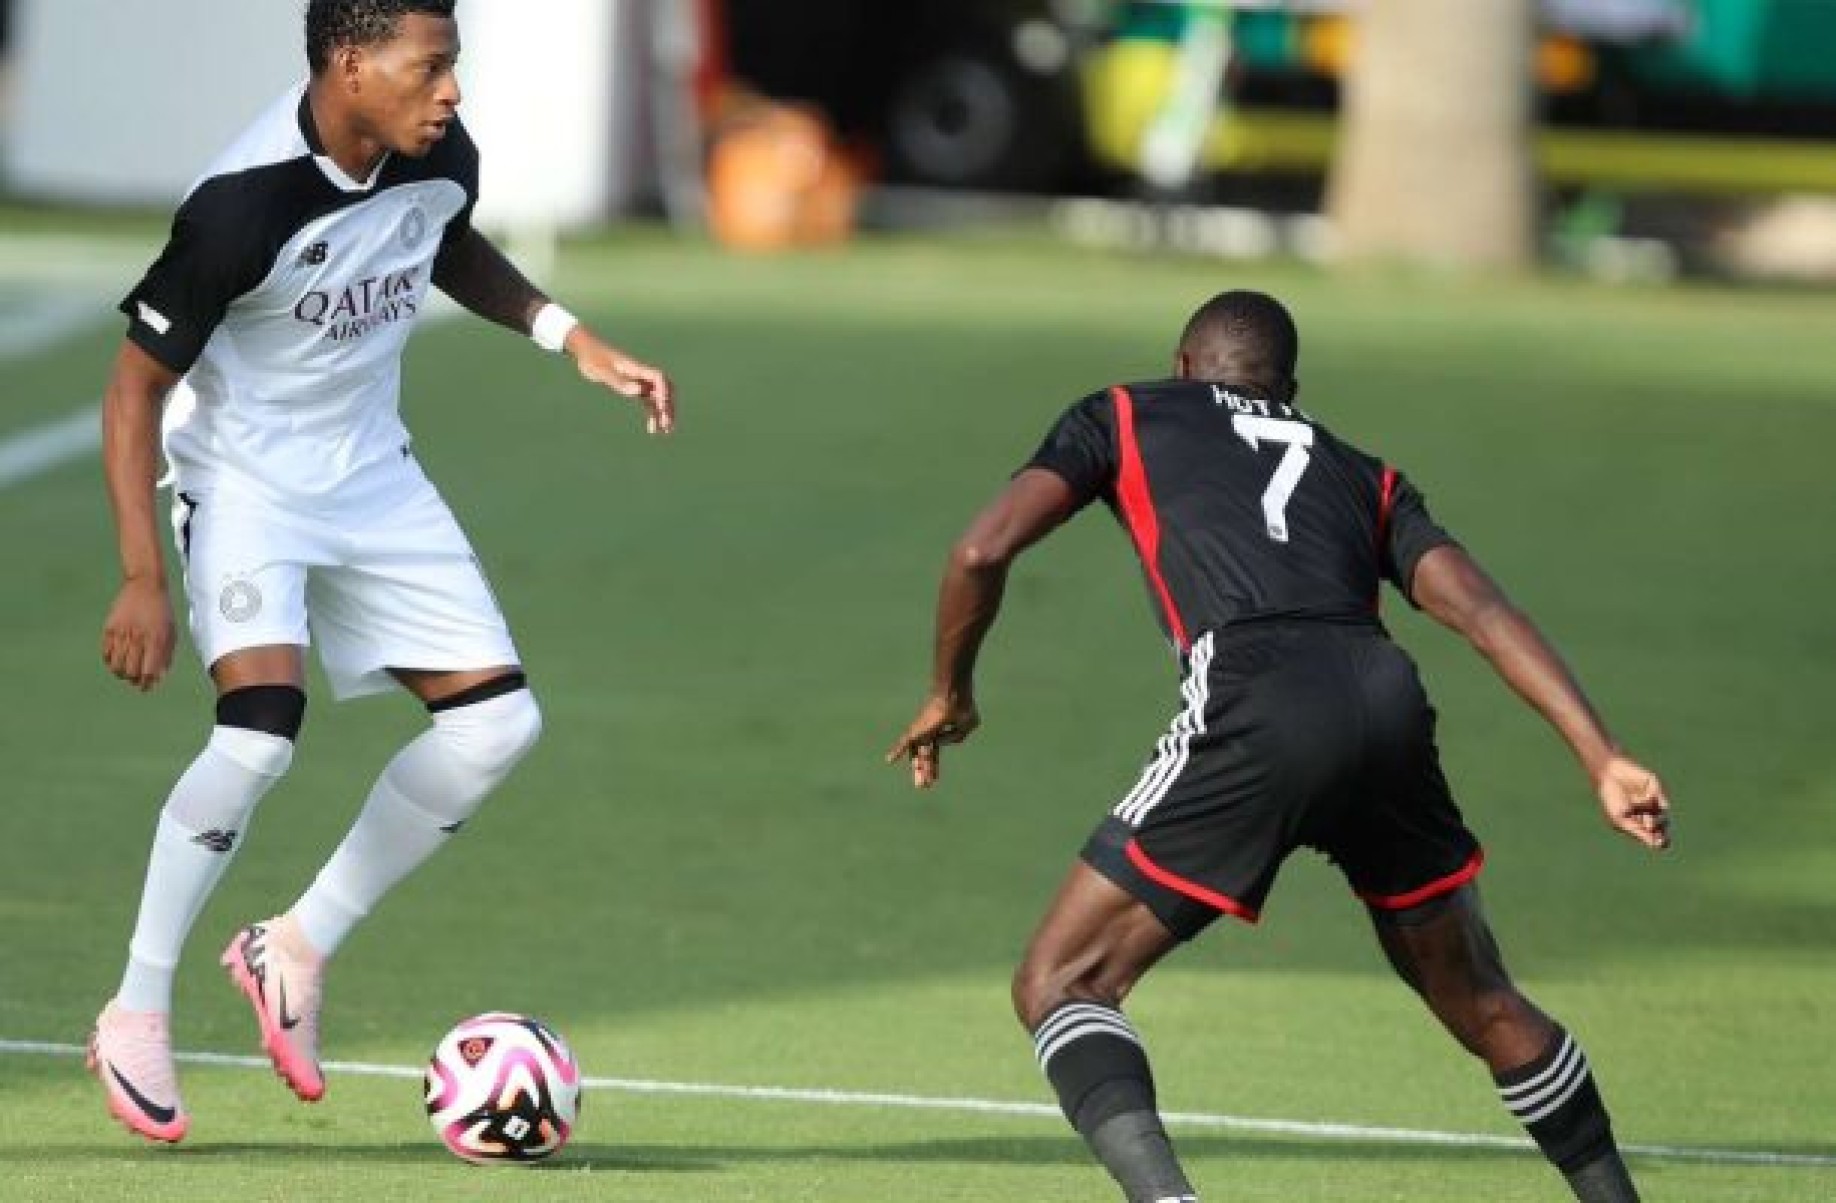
(1240, 509)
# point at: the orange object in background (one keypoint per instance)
(777, 179)
(1564, 64)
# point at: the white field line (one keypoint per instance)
(46, 322)
(42, 449)
(855, 1098)
(46, 448)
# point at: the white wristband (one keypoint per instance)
(551, 327)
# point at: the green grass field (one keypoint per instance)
(705, 875)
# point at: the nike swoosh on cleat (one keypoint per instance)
(159, 1115)
(289, 1022)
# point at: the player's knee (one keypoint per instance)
(1035, 995)
(257, 726)
(1041, 986)
(492, 734)
(270, 709)
(1496, 1013)
(518, 727)
(1480, 1018)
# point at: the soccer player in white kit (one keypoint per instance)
(270, 331)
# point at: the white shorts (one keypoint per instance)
(394, 586)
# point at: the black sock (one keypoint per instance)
(1555, 1098)
(1096, 1064)
(1603, 1180)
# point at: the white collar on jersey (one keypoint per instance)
(327, 165)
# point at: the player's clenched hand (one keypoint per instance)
(1634, 801)
(138, 637)
(940, 721)
(606, 365)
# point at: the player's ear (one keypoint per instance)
(1182, 365)
(347, 61)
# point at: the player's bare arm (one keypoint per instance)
(968, 601)
(1455, 591)
(138, 635)
(476, 274)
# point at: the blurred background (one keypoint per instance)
(1563, 262)
(1624, 137)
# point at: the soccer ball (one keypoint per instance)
(502, 1088)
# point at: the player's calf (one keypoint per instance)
(422, 799)
(200, 828)
(1445, 951)
(1556, 1099)
(1099, 1069)
(1092, 947)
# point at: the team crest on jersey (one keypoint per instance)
(414, 227)
(240, 600)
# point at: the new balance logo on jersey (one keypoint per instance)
(357, 309)
(216, 839)
(315, 254)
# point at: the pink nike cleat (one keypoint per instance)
(130, 1052)
(272, 966)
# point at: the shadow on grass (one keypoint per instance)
(992, 1150)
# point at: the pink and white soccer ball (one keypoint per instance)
(503, 1088)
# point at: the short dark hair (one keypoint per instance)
(334, 23)
(1243, 337)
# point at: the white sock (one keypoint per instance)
(423, 797)
(199, 830)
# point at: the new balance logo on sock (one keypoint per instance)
(1075, 1021)
(216, 839)
(453, 827)
(1543, 1093)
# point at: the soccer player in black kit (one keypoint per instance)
(1264, 540)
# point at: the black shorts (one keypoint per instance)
(1292, 734)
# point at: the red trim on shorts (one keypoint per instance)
(1137, 505)
(1386, 501)
(1434, 889)
(1191, 889)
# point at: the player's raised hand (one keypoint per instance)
(138, 635)
(940, 721)
(606, 365)
(1634, 801)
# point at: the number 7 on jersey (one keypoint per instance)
(1296, 438)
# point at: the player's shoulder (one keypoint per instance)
(267, 169)
(1168, 390)
(263, 155)
(1326, 440)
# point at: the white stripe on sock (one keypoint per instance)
(1072, 1013)
(1532, 1092)
(1555, 1069)
(1121, 1030)
(1555, 1104)
(1544, 1094)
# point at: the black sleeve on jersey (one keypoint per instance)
(1411, 533)
(463, 170)
(1081, 448)
(212, 257)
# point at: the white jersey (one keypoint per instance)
(284, 297)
